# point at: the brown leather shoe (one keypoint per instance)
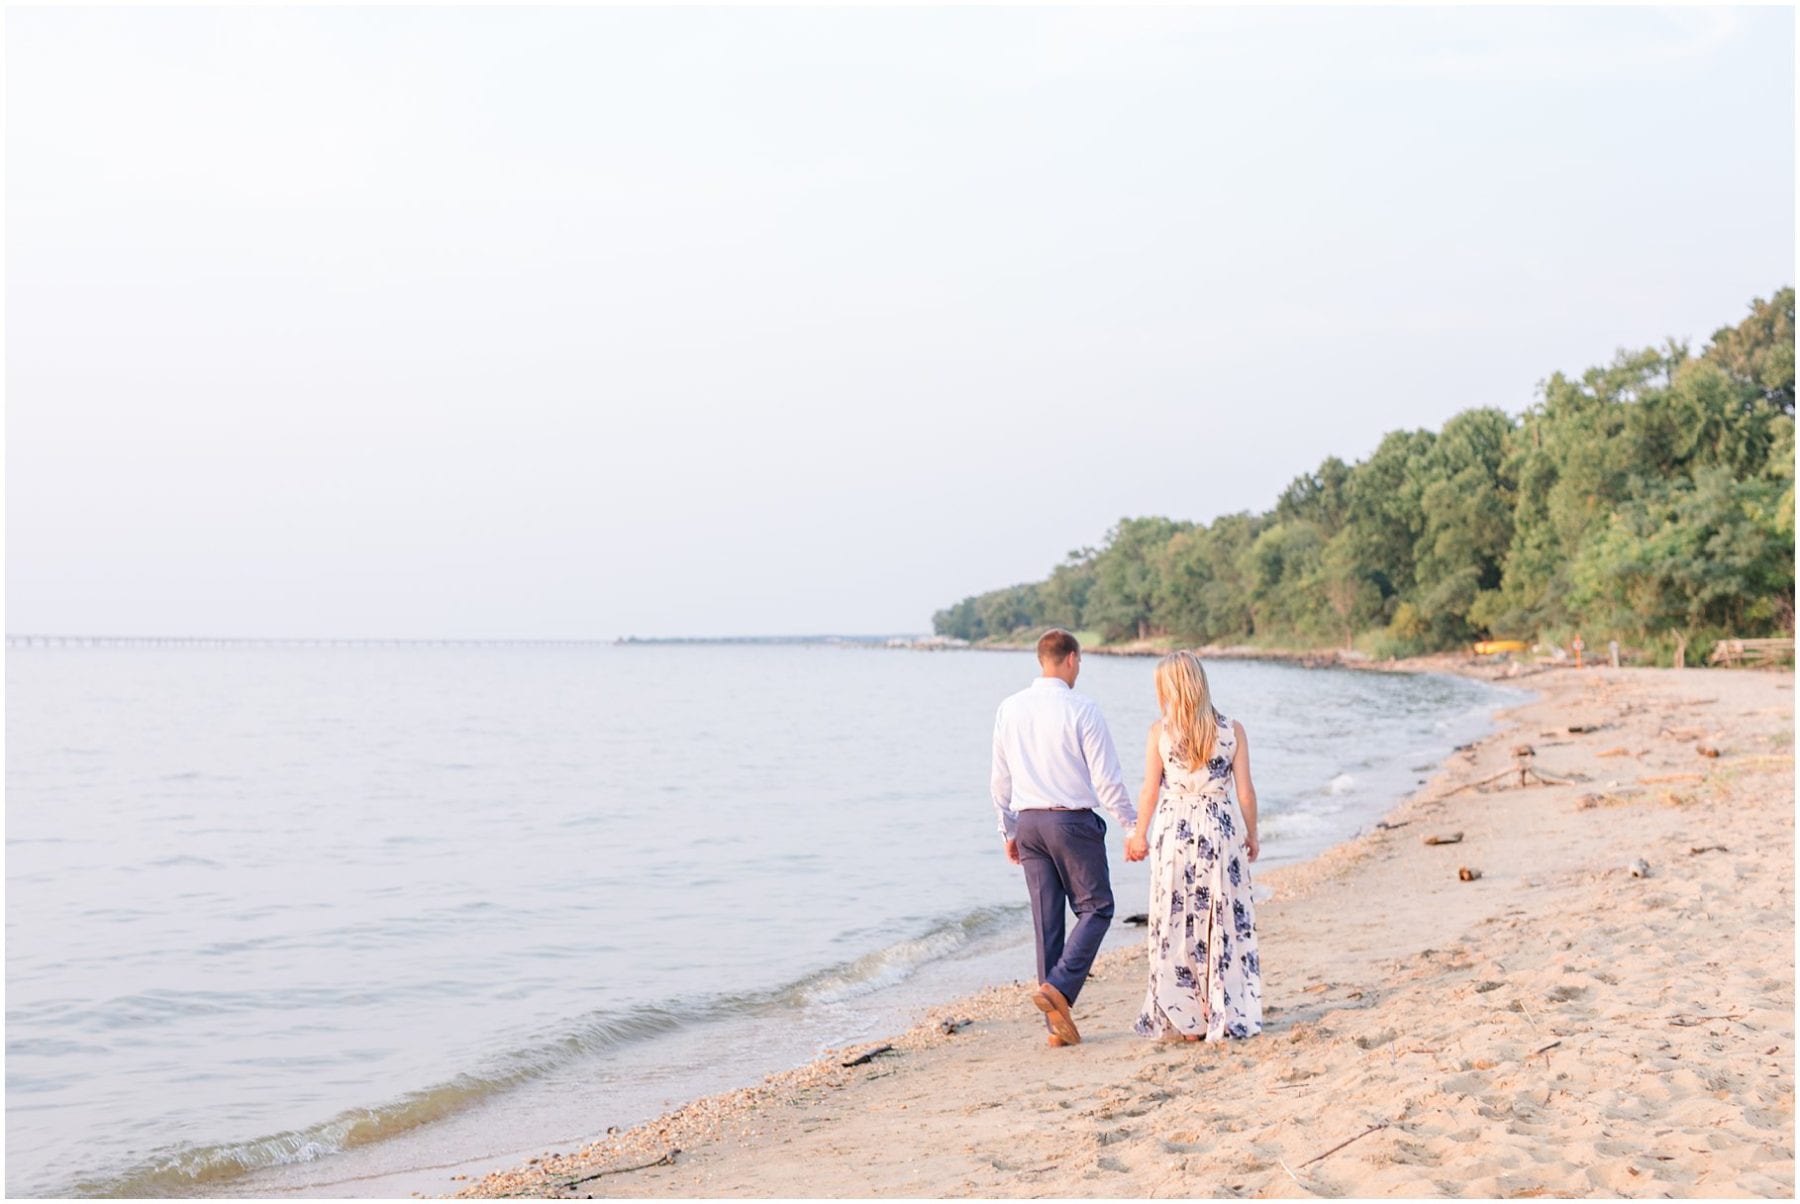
(1048, 1000)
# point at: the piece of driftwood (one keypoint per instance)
(1340, 1145)
(1454, 838)
(667, 1159)
(1577, 729)
(1522, 766)
(1467, 874)
(870, 1056)
(1708, 848)
(1386, 826)
(1688, 1021)
(1751, 652)
(1545, 1048)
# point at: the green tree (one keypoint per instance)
(1122, 602)
(1711, 552)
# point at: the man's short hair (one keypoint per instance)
(1056, 646)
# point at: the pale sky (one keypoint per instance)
(589, 322)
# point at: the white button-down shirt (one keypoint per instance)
(1052, 749)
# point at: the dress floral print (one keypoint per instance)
(1205, 975)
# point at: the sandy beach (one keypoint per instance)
(1561, 1025)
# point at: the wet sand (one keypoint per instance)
(1557, 1026)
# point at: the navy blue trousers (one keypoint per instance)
(1064, 857)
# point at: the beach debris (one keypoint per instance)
(1467, 874)
(1708, 848)
(1577, 729)
(1686, 1020)
(1523, 766)
(1387, 826)
(1639, 868)
(865, 1059)
(1340, 1145)
(1140, 919)
(1621, 751)
(952, 1027)
(1545, 1048)
(1706, 750)
(668, 1159)
(1453, 838)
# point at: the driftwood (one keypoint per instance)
(1545, 1048)
(1708, 848)
(870, 1056)
(1577, 729)
(1455, 838)
(1751, 652)
(1340, 1145)
(1386, 826)
(1528, 773)
(667, 1159)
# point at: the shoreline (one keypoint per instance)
(1424, 939)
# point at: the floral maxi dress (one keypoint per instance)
(1205, 976)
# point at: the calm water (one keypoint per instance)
(312, 920)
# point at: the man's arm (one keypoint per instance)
(1103, 767)
(1001, 785)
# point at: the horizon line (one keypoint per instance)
(26, 637)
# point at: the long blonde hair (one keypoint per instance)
(1185, 700)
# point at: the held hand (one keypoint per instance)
(1012, 851)
(1136, 847)
(1252, 846)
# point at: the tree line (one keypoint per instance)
(1648, 500)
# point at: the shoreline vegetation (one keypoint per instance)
(1498, 990)
(1648, 501)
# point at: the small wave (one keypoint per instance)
(897, 962)
(178, 1172)
(186, 859)
(1342, 784)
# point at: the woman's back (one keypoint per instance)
(1213, 776)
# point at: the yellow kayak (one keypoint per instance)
(1487, 647)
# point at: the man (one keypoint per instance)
(1053, 763)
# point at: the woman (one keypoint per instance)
(1205, 977)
